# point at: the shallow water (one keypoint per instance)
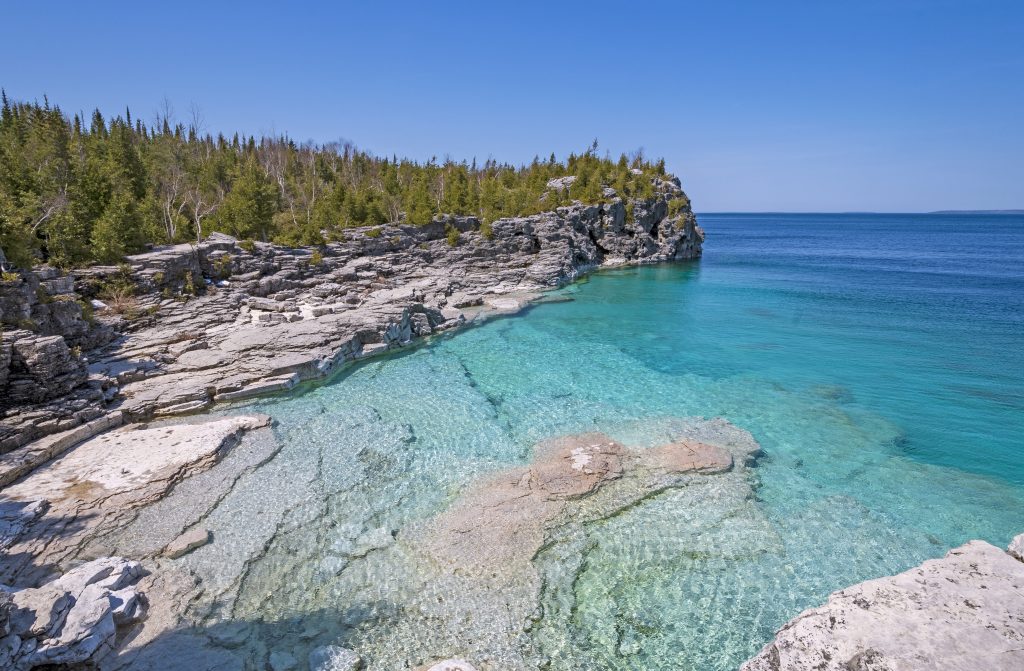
(878, 359)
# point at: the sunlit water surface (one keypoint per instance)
(878, 359)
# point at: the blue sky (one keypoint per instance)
(787, 106)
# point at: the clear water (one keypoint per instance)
(878, 359)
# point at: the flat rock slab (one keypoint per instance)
(131, 458)
(100, 484)
(187, 542)
(963, 612)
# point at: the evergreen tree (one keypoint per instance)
(74, 192)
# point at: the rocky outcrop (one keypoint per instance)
(72, 621)
(964, 611)
(44, 383)
(41, 368)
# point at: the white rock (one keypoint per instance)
(74, 619)
(964, 611)
(1016, 548)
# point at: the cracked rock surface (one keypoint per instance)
(963, 611)
(73, 620)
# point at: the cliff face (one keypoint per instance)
(224, 319)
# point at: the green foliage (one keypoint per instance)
(77, 191)
(222, 266)
(10, 277)
(487, 230)
(677, 205)
(374, 232)
(452, 234)
(248, 211)
(248, 245)
(316, 258)
(88, 313)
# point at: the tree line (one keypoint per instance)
(75, 191)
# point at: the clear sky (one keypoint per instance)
(813, 106)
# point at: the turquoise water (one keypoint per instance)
(878, 359)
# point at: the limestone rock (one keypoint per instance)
(964, 611)
(1016, 548)
(75, 618)
(187, 542)
(105, 478)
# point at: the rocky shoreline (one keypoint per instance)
(226, 319)
(221, 321)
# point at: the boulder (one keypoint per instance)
(74, 619)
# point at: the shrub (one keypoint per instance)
(247, 245)
(453, 235)
(374, 232)
(676, 205)
(119, 299)
(11, 277)
(486, 230)
(317, 258)
(88, 313)
(222, 266)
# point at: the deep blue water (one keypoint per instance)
(920, 317)
(878, 359)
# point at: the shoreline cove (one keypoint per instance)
(241, 573)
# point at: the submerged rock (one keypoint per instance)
(504, 521)
(334, 658)
(187, 542)
(964, 611)
(452, 665)
(491, 558)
